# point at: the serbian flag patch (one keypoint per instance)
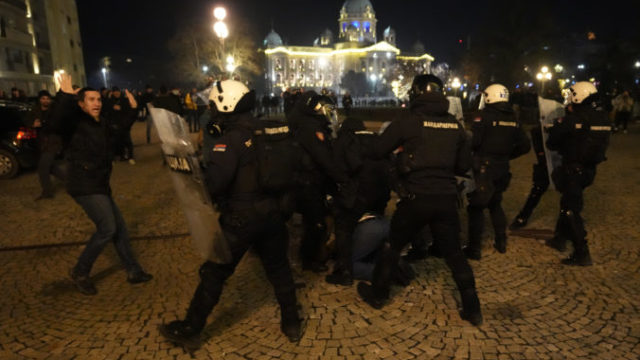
(220, 147)
(320, 136)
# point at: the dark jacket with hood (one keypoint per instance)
(433, 146)
(89, 149)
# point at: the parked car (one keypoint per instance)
(18, 147)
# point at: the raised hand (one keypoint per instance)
(66, 85)
(132, 99)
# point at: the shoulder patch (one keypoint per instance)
(220, 147)
(320, 135)
(477, 119)
(248, 143)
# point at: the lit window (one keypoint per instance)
(344, 27)
(356, 24)
(367, 26)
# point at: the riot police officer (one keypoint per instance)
(581, 138)
(497, 138)
(249, 217)
(435, 148)
(318, 176)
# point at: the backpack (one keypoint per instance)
(277, 155)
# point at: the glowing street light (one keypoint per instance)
(205, 68)
(221, 30)
(231, 64)
(543, 76)
(637, 64)
(220, 13)
(104, 77)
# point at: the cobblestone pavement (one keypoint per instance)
(534, 308)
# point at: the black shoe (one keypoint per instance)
(291, 325)
(139, 277)
(181, 333)
(415, 255)
(578, 260)
(518, 223)
(44, 196)
(366, 293)
(403, 274)
(315, 266)
(471, 253)
(557, 243)
(475, 317)
(83, 283)
(500, 246)
(340, 277)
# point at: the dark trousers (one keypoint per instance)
(622, 119)
(540, 186)
(571, 182)
(127, 144)
(47, 165)
(110, 226)
(440, 213)
(368, 237)
(269, 237)
(192, 120)
(311, 205)
(491, 199)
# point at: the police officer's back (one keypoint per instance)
(581, 138)
(497, 138)
(434, 149)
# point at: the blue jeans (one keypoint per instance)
(110, 226)
(368, 238)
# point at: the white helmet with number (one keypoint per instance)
(495, 93)
(580, 91)
(226, 95)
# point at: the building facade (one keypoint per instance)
(356, 49)
(39, 38)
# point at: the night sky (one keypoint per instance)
(140, 29)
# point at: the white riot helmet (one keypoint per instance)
(496, 93)
(580, 91)
(227, 94)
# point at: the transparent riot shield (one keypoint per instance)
(330, 111)
(549, 111)
(188, 181)
(455, 108)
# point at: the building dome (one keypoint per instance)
(273, 39)
(357, 7)
(389, 32)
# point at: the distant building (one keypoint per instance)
(39, 38)
(356, 49)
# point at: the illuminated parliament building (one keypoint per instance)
(356, 49)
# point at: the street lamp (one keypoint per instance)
(543, 76)
(231, 65)
(205, 68)
(456, 85)
(637, 64)
(104, 77)
(220, 13)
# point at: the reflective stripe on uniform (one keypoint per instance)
(364, 132)
(505, 123)
(278, 130)
(438, 125)
(601, 128)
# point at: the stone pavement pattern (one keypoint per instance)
(534, 308)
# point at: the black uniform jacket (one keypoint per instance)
(497, 135)
(582, 136)
(89, 148)
(231, 171)
(433, 144)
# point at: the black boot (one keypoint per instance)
(403, 273)
(368, 295)
(415, 254)
(181, 333)
(83, 283)
(290, 323)
(340, 276)
(518, 223)
(471, 307)
(501, 243)
(578, 259)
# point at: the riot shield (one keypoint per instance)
(455, 108)
(549, 111)
(330, 111)
(188, 181)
